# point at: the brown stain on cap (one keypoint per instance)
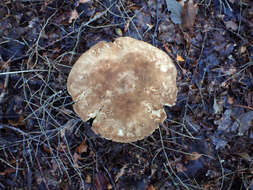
(123, 85)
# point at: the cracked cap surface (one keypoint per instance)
(123, 85)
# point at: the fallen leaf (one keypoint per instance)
(245, 122)
(193, 156)
(175, 9)
(46, 149)
(19, 122)
(225, 121)
(179, 58)
(82, 147)
(88, 179)
(231, 25)
(218, 142)
(189, 15)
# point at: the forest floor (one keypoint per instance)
(206, 142)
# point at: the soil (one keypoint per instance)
(206, 142)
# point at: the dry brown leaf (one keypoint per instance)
(189, 15)
(193, 156)
(19, 122)
(179, 58)
(88, 179)
(82, 147)
(46, 149)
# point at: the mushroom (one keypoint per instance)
(123, 85)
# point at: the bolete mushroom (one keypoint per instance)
(123, 85)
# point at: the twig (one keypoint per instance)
(42, 173)
(168, 162)
(2, 126)
(24, 71)
(83, 25)
(157, 22)
(110, 176)
(131, 20)
(243, 106)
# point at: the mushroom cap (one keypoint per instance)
(123, 85)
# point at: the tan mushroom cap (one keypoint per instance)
(123, 85)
